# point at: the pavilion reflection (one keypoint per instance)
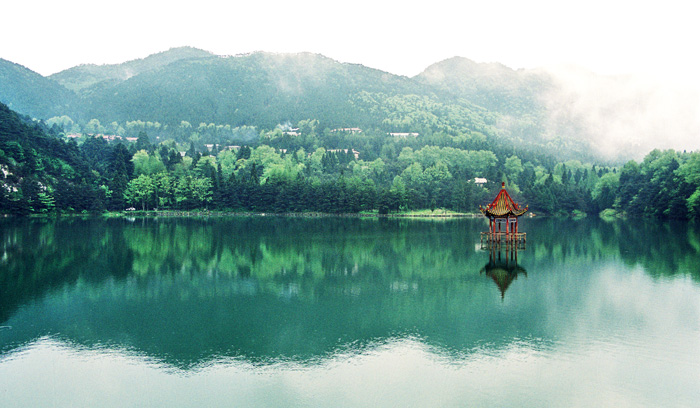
(503, 267)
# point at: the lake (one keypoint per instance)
(347, 312)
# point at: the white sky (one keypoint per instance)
(400, 37)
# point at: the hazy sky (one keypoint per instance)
(396, 36)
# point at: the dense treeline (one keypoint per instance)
(38, 171)
(319, 170)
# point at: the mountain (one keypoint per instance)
(575, 116)
(491, 85)
(262, 89)
(455, 96)
(26, 91)
(85, 79)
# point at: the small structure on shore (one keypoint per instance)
(503, 215)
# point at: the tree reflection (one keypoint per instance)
(185, 290)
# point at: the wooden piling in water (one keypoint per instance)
(502, 239)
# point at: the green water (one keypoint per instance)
(346, 312)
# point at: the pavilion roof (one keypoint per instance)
(503, 206)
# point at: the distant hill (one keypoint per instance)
(266, 89)
(455, 96)
(527, 108)
(260, 89)
(26, 91)
(85, 79)
(491, 85)
(519, 96)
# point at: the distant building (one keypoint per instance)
(109, 138)
(479, 181)
(403, 135)
(348, 130)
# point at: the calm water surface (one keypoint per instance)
(346, 312)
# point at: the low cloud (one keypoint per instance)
(623, 117)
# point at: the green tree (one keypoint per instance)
(93, 127)
(201, 190)
(514, 167)
(47, 200)
(164, 190)
(148, 164)
(140, 190)
(693, 204)
(605, 191)
(689, 172)
(143, 142)
(399, 198)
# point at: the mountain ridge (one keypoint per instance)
(263, 89)
(29, 92)
(75, 78)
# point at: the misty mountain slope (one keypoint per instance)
(518, 97)
(266, 89)
(491, 85)
(261, 89)
(621, 117)
(573, 111)
(84, 79)
(568, 112)
(29, 93)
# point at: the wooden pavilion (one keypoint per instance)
(503, 215)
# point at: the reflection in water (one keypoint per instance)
(503, 267)
(279, 311)
(188, 290)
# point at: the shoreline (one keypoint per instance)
(292, 214)
(202, 213)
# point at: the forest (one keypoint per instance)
(59, 166)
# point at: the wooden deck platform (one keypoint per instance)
(502, 239)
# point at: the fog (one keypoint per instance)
(623, 117)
